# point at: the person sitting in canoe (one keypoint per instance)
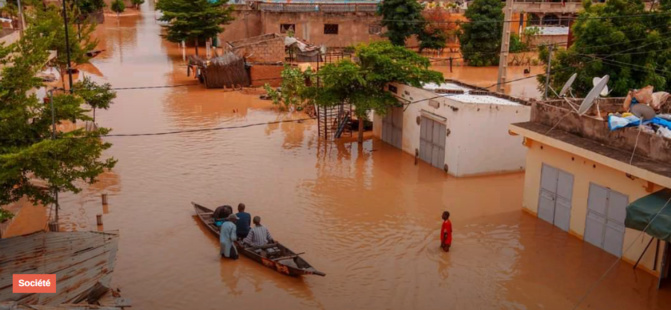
(245, 220)
(227, 237)
(258, 235)
(221, 213)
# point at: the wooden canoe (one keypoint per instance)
(274, 256)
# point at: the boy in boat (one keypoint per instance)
(227, 237)
(244, 221)
(446, 232)
(259, 235)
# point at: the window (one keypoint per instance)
(374, 29)
(284, 28)
(330, 28)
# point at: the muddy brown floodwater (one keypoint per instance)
(364, 214)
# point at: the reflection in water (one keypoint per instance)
(364, 214)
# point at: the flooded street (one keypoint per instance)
(364, 214)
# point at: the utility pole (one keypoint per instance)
(23, 20)
(505, 45)
(67, 44)
(547, 74)
(53, 137)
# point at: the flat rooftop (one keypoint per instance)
(555, 124)
(470, 94)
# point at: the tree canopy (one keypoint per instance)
(480, 37)
(404, 18)
(633, 51)
(95, 95)
(194, 19)
(362, 83)
(118, 6)
(48, 22)
(27, 150)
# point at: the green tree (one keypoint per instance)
(633, 51)
(118, 7)
(48, 22)
(480, 37)
(27, 150)
(195, 20)
(137, 3)
(293, 87)
(95, 95)
(404, 18)
(87, 7)
(363, 83)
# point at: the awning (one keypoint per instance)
(643, 210)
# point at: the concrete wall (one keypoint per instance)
(478, 142)
(28, 218)
(585, 171)
(247, 23)
(352, 27)
(266, 74)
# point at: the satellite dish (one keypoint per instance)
(591, 96)
(568, 84)
(595, 82)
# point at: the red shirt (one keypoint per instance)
(447, 228)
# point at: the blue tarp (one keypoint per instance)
(617, 122)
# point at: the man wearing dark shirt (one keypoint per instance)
(244, 222)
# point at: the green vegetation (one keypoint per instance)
(293, 87)
(27, 150)
(118, 6)
(633, 51)
(481, 37)
(137, 3)
(403, 18)
(95, 95)
(48, 22)
(362, 83)
(195, 20)
(86, 7)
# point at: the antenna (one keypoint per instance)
(593, 94)
(567, 85)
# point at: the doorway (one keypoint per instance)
(554, 204)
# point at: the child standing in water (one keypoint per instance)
(446, 232)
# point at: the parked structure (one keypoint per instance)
(455, 127)
(587, 180)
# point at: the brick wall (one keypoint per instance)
(262, 74)
(268, 50)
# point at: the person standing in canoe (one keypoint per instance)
(227, 237)
(446, 232)
(244, 222)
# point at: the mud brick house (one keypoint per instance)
(456, 127)
(587, 180)
(264, 48)
(330, 23)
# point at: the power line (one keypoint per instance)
(299, 120)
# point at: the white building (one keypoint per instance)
(455, 127)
